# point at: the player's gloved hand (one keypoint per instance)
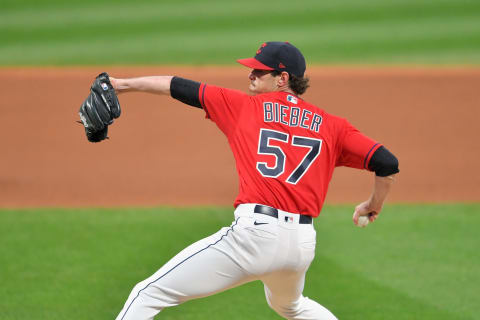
(99, 109)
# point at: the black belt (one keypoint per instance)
(272, 212)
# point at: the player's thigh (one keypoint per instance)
(208, 272)
(198, 270)
(283, 287)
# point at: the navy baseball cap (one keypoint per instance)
(280, 56)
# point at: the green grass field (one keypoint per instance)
(59, 32)
(416, 262)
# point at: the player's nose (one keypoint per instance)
(251, 76)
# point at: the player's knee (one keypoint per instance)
(301, 309)
(288, 311)
(139, 287)
(158, 295)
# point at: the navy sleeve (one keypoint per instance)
(185, 91)
(383, 162)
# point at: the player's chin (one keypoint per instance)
(253, 89)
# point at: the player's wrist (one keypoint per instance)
(374, 204)
(120, 85)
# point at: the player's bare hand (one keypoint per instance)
(365, 209)
(113, 81)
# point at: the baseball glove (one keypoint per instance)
(99, 109)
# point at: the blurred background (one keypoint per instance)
(55, 32)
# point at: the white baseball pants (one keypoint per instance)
(255, 247)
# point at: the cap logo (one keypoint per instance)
(262, 46)
(281, 65)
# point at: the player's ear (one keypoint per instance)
(283, 79)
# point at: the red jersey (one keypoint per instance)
(285, 148)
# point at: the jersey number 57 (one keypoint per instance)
(264, 147)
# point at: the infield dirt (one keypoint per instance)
(163, 153)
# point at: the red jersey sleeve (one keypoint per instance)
(223, 106)
(356, 149)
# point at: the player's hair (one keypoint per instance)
(297, 84)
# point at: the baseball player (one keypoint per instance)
(285, 151)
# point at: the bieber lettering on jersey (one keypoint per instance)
(285, 149)
(291, 116)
